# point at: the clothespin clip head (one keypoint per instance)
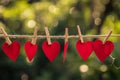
(66, 35)
(80, 34)
(6, 36)
(106, 38)
(65, 45)
(48, 36)
(34, 39)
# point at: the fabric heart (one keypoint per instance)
(51, 51)
(84, 49)
(12, 50)
(30, 50)
(101, 50)
(65, 51)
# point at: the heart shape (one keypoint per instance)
(65, 51)
(30, 50)
(101, 50)
(12, 50)
(51, 51)
(84, 49)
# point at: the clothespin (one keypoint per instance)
(66, 35)
(65, 44)
(48, 36)
(6, 36)
(106, 38)
(34, 39)
(80, 34)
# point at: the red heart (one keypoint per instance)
(30, 50)
(101, 50)
(51, 51)
(84, 49)
(12, 50)
(65, 51)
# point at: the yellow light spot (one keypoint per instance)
(97, 21)
(72, 10)
(103, 68)
(83, 68)
(31, 24)
(1, 9)
(52, 9)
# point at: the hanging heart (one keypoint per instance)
(12, 50)
(84, 49)
(51, 51)
(30, 50)
(65, 51)
(101, 50)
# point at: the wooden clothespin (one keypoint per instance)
(48, 36)
(65, 44)
(66, 35)
(106, 38)
(6, 36)
(80, 34)
(34, 39)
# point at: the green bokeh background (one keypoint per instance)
(94, 17)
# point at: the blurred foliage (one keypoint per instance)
(94, 17)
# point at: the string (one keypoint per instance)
(58, 36)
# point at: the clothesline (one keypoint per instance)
(66, 36)
(59, 36)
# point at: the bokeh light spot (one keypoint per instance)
(52, 9)
(103, 68)
(72, 10)
(97, 21)
(31, 24)
(83, 68)
(24, 77)
(1, 9)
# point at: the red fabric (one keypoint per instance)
(51, 51)
(65, 51)
(30, 50)
(101, 50)
(12, 51)
(84, 49)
